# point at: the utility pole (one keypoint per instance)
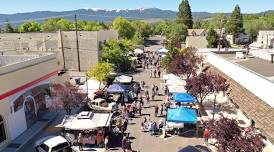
(77, 42)
(62, 49)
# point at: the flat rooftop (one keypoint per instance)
(255, 64)
(6, 60)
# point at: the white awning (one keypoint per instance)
(123, 79)
(92, 85)
(170, 76)
(138, 51)
(176, 89)
(95, 121)
(170, 82)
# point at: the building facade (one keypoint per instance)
(63, 43)
(24, 92)
(266, 38)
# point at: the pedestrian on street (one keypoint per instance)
(206, 135)
(159, 73)
(150, 75)
(123, 143)
(156, 111)
(80, 141)
(155, 73)
(128, 146)
(156, 90)
(161, 110)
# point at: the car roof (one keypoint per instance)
(52, 142)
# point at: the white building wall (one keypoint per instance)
(254, 82)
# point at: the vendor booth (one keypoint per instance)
(138, 51)
(182, 115)
(170, 76)
(123, 79)
(175, 81)
(117, 88)
(86, 120)
(92, 86)
(184, 97)
(176, 89)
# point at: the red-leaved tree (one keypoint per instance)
(204, 84)
(67, 96)
(230, 137)
(185, 63)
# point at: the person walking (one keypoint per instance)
(161, 110)
(156, 111)
(150, 75)
(80, 141)
(156, 90)
(123, 143)
(159, 73)
(206, 135)
(155, 73)
(128, 146)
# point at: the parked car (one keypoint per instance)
(53, 144)
(100, 104)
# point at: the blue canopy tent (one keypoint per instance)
(183, 115)
(184, 97)
(117, 88)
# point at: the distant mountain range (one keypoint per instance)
(102, 15)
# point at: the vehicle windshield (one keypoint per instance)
(60, 147)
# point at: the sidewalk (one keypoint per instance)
(18, 144)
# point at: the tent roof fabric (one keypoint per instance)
(184, 97)
(138, 51)
(175, 82)
(116, 88)
(176, 89)
(123, 79)
(170, 76)
(182, 114)
(74, 122)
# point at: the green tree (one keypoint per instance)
(50, 25)
(185, 15)
(64, 25)
(116, 52)
(218, 21)
(100, 71)
(212, 38)
(177, 33)
(141, 27)
(138, 39)
(31, 26)
(235, 22)
(124, 28)
(7, 28)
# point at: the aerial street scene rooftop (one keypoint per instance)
(137, 76)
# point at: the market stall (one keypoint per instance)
(184, 97)
(117, 88)
(123, 79)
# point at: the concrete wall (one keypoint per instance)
(254, 82)
(266, 38)
(29, 43)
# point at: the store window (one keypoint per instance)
(2, 130)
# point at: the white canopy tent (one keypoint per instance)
(175, 81)
(123, 79)
(91, 87)
(170, 76)
(176, 89)
(86, 121)
(138, 51)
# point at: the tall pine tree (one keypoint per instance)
(184, 15)
(235, 22)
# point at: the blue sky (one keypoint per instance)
(247, 6)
